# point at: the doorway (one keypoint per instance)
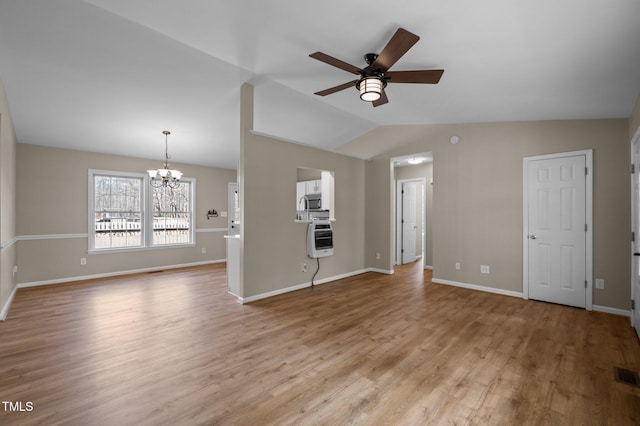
(415, 173)
(557, 228)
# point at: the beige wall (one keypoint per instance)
(477, 196)
(378, 220)
(422, 171)
(273, 246)
(53, 215)
(7, 203)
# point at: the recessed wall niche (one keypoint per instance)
(314, 195)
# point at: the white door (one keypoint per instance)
(635, 222)
(408, 222)
(557, 230)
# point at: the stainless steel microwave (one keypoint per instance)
(313, 202)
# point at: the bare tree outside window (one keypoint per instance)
(117, 212)
(119, 219)
(172, 214)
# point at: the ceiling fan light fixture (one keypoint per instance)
(370, 88)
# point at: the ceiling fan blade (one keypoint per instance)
(323, 57)
(383, 99)
(399, 44)
(423, 76)
(337, 88)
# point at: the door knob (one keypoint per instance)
(532, 236)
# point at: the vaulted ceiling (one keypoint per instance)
(111, 75)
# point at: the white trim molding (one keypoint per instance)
(51, 237)
(614, 311)
(212, 230)
(478, 287)
(115, 274)
(8, 244)
(277, 292)
(381, 271)
(5, 308)
(82, 235)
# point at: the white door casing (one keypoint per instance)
(408, 221)
(397, 218)
(557, 229)
(635, 244)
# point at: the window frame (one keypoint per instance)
(146, 216)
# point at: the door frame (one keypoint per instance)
(588, 153)
(397, 218)
(634, 215)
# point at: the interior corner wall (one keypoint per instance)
(8, 247)
(477, 197)
(52, 202)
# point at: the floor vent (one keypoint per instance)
(627, 376)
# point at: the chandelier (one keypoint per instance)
(165, 177)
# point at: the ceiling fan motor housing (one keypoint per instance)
(367, 72)
(370, 58)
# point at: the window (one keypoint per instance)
(172, 214)
(119, 218)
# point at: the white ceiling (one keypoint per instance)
(110, 75)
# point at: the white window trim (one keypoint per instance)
(145, 225)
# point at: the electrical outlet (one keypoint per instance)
(457, 265)
(204, 250)
(600, 283)
(304, 267)
(484, 269)
(378, 256)
(15, 270)
(83, 260)
(223, 214)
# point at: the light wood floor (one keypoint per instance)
(174, 348)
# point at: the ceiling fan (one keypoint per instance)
(375, 76)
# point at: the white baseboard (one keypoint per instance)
(615, 311)
(115, 274)
(308, 284)
(597, 308)
(381, 271)
(479, 287)
(5, 308)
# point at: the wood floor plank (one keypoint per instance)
(175, 348)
